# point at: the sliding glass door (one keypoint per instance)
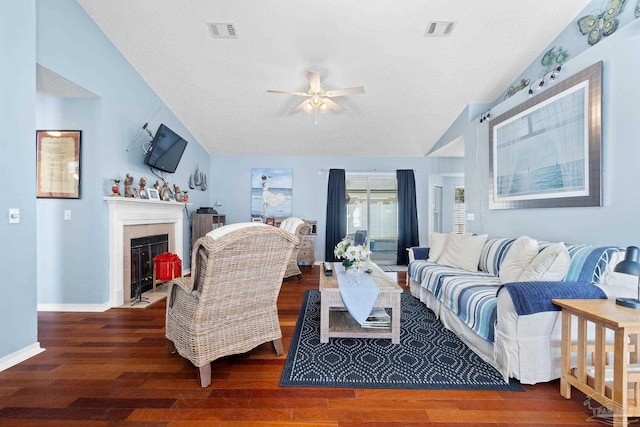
(372, 205)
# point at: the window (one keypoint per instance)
(459, 211)
(372, 205)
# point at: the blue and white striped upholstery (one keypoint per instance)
(588, 263)
(493, 254)
(474, 301)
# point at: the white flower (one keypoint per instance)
(341, 247)
(345, 249)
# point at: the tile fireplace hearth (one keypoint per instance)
(134, 218)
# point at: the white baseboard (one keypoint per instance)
(20, 356)
(74, 307)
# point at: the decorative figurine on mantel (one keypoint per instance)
(115, 188)
(128, 186)
(176, 193)
(143, 184)
(164, 193)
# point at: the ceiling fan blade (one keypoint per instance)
(314, 81)
(286, 92)
(332, 105)
(301, 106)
(345, 91)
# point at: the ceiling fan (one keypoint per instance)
(318, 98)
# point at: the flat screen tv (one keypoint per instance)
(166, 150)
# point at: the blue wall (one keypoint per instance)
(232, 177)
(613, 223)
(73, 262)
(18, 255)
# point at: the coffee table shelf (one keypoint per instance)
(336, 322)
(342, 325)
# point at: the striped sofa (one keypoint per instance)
(480, 309)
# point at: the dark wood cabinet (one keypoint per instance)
(201, 224)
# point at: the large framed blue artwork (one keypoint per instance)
(547, 152)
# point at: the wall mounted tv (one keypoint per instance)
(166, 150)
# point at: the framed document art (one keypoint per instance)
(546, 152)
(58, 164)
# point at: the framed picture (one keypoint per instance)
(270, 221)
(58, 164)
(152, 194)
(271, 192)
(547, 152)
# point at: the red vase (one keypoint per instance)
(116, 189)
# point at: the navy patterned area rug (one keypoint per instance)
(428, 357)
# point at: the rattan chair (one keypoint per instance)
(298, 228)
(228, 305)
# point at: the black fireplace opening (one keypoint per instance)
(143, 250)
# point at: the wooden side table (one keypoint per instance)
(617, 387)
(306, 253)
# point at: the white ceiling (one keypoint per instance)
(415, 86)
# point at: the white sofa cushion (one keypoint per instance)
(463, 251)
(520, 255)
(437, 243)
(551, 264)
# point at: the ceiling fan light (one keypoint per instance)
(315, 100)
(324, 107)
(308, 108)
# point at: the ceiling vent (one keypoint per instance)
(222, 31)
(439, 28)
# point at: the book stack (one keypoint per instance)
(378, 318)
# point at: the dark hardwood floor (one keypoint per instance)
(113, 369)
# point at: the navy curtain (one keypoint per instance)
(407, 214)
(336, 212)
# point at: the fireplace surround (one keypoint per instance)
(132, 218)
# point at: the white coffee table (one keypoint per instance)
(335, 320)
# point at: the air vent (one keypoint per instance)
(439, 28)
(222, 31)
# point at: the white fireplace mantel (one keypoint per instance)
(124, 211)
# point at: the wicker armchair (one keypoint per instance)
(228, 305)
(298, 228)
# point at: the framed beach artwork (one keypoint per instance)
(547, 152)
(271, 192)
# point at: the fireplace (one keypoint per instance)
(129, 219)
(143, 250)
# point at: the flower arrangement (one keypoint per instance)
(351, 254)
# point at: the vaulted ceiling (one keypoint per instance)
(415, 85)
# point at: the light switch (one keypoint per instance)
(14, 215)
(67, 214)
(471, 217)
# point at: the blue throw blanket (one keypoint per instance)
(535, 297)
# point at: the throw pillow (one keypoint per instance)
(463, 251)
(520, 255)
(437, 243)
(551, 264)
(611, 278)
